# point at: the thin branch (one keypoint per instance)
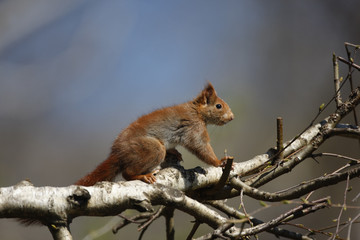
(356, 198)
(60, 232)
(352, 45)
(343, 224)
(350, 225)
(193, 230)
(244, 209)
(152, 218)
(230, 211)
(357, 67)
(225, 175)
(143, 232)
(336, 171)
(342, 209)
(299, 211)
(350, 75)
(217, 233)
(297, 192)
(313, 206)
(170, 226)
(346, 130)
(311, 231)
(336, 81)
(133, 219)
(335, 155)
(280, 138)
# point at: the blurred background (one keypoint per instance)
(73, 73)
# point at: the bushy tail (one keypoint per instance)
(29, 222)
(105, 171)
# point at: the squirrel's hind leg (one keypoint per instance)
(147, 153)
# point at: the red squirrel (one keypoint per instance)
(141, 147)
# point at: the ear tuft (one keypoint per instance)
(207, 96)
(209, 88)
(210, 93)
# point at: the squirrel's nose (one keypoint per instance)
(231, 116)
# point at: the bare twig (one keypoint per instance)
(343, 224)
(280, 139)
(346, 130)
(133, 219)
(297, 192)
(336, 155)
(242, 204)
(313, 206)
(342, 209)
(143, 232)
(60, 231)
(356, 198)
(350, 59)
(220, 205)
(226, 172)
(297, 212)
(152, 218)
(170, 227)
(352, 45)
(336, 81)
(193, 230)
(336, 171)
(350, 225)
(311, 231)
(357, 67)
(217, 233)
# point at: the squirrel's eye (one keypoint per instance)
(218, 106)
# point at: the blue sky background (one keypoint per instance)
(74, 73)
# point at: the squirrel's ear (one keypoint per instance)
(207, 96)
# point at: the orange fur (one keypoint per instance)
(143, 145)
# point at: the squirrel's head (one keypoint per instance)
(212, 108)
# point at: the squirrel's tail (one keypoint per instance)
(29, 222)
(105, 171)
